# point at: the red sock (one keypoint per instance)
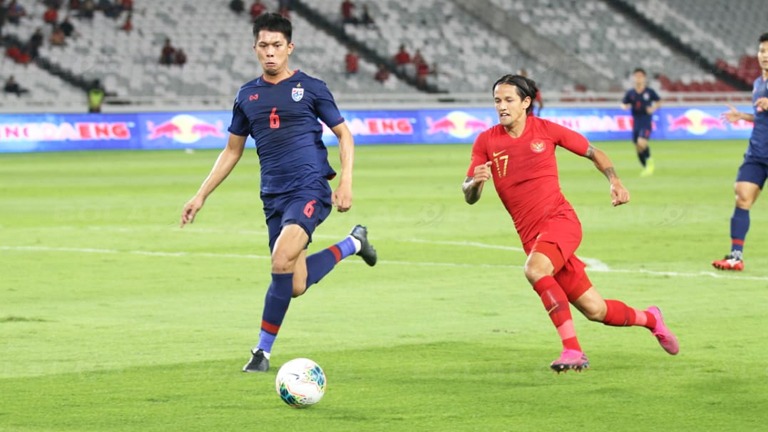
(620, 315)
(556, 304)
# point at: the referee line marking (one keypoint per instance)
(707, 274)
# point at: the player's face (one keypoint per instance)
(509, 106)
(272, 49)
(762, 55)
(639, 78)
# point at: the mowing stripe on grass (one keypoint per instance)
(712, 275)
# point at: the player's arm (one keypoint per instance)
(473, 186)
(733, 115)
(619, 194)
(342, 196)
(221, 168)
(654, 106)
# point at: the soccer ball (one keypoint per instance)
(300, 383)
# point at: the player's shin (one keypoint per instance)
(276, 304)
(556, 304)
(321, 263)
(618, 314)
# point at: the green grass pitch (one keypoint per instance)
(114, 319)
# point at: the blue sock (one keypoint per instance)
(275, 306)
(739, 228)
(321, 263)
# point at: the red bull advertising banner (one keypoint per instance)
(208, 129)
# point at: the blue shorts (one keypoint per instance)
(307, 208)
(641, 132)
(753, 171)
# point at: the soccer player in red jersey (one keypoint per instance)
(519, 155)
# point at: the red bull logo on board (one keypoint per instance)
(458, 124)
(695, 121)
(185, 128)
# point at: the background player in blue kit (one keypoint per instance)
(754, 170)
(643, 101)
(280, 110)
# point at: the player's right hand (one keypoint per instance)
(732, 115)
(483, 173)
(190, 210)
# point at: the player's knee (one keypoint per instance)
(282, 263)
(594, 311)
(534, 272)
(744, 200)
(298, 289)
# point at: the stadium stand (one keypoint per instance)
(603, 38)
(218, 46)
(465, 51)
(723, 32)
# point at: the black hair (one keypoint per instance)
(639, 69)
(526, 87)
(764, 37)
(275, 23)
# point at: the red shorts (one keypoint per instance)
(558, 240)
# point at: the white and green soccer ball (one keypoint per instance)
(300, 383)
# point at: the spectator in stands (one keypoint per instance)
(15, 12)
(67, 27)
(128, 24)
(402, 58)
(96, 95)
(87, 9)
(111, 8)
(365, 17)
(57, 38)
(422, 72)
(17, 54)
(74, 5)
(167, 53)
(257, 9)
(382, 74)
(56, 4)
(348, 12)
(11, 86)
(537, 100)
(51, 16)
(35, 42)
(284, 8)
(127, 5)
(237, 6)
(643, 101)
(351, 62)
(180, 57)
(3, 14)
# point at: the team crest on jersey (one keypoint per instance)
(297, 93)
(646, 96)
(538, 146)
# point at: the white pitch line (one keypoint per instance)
(729, 276)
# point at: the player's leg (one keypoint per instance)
(287, 251)
(749, 182)
(542, 263)
(644, 152)
(612, 312)
(639, 147)
(321, 263)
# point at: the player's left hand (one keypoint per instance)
(619, 194)
(342, 198)
(762, 104)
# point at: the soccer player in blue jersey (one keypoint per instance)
(643, 101)
(754, 169)
(280, 110)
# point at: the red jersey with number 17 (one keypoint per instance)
(525, 170)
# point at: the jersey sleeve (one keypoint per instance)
(569, 139)
(479, 154)
(626, 99)
(654, 96)
(240, 125)
(326, 107)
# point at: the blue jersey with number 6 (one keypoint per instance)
(282, 119)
